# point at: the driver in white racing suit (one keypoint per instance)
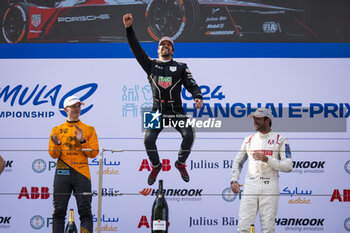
(267, 153)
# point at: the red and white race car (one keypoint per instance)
(183, 20)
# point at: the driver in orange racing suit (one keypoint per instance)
(67, 143)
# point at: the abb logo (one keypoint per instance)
(165, 162)
(34, 193)
(144, 222)
(336, 195)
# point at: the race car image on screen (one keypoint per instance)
(183, 20)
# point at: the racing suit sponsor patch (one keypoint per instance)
(164, 82)
(36, 20)
(288, 153)
(271, 142)
(63, 172)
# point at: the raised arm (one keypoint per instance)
(140, 55)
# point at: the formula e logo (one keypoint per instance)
(270, 27)
(38, 95)
(39, 165)
(347, 166)
(36, 20)
(152, 120)
(37, 222)
(165, 82)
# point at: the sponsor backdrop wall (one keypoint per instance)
(308, 88)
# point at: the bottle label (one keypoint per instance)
(159, 225)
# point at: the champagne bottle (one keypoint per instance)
(160, 212)
(71, 227)
(252, 228)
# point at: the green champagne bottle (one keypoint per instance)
(160, 212)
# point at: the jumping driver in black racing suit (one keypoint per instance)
(166, 78)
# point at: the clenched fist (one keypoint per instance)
(127, 20)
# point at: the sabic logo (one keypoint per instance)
(336, 195)
(39, 165)
(37, 222)
(165, 162)
(34, 193)
(299, 200)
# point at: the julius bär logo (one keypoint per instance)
(152, 120)
(39, 165)
(37, 222)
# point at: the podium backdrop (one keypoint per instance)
(314, 196)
